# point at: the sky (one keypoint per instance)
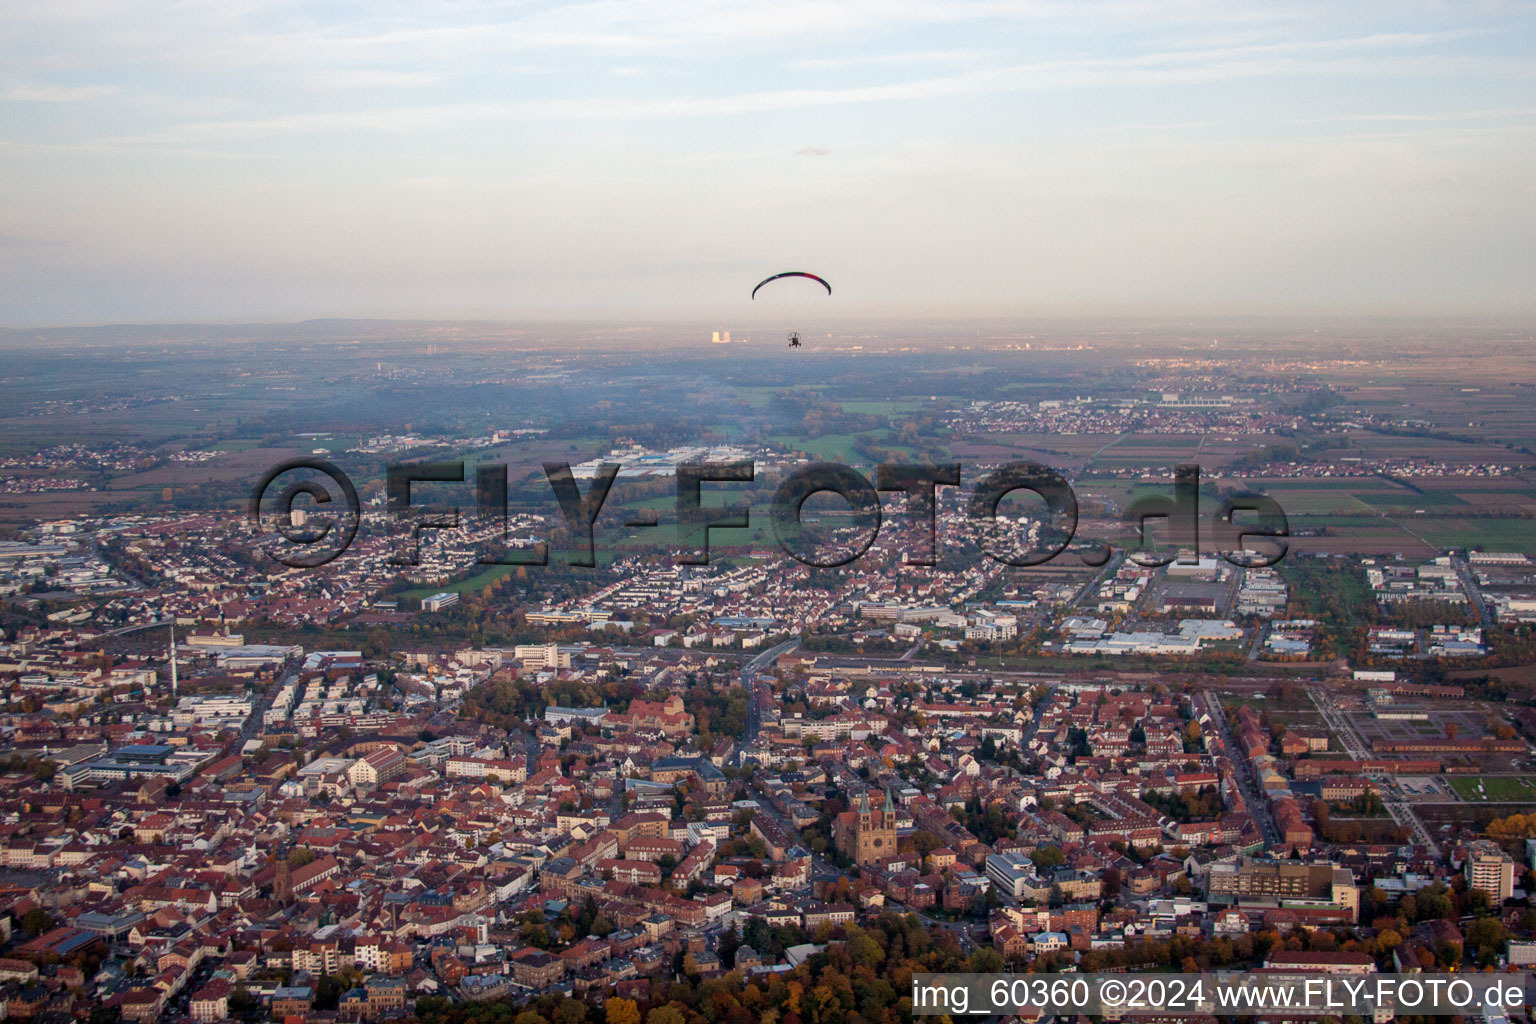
(238, 160)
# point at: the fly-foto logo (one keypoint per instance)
(311, 536)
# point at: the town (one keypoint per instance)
(436, 777)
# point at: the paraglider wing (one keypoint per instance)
(792, 273)
(791, 304)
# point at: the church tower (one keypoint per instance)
(877, 831)
(864, 834)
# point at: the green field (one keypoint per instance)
(466, 586)
(1318, 501)
(1493, 534)
(828, 447)
(1501, 788)
(1390, 500)
(890, 408)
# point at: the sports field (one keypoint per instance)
(1497, 788)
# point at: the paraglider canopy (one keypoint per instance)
(792, 273)
(791, 302)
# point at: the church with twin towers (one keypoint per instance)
(867, 835)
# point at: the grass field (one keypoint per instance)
(1503, 788)
(1408, 499)
(829, 447)
(890, 408)
(1494, 534)
(468, 585)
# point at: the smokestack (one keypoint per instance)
(173, 659)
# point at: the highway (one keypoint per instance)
(1469, 584)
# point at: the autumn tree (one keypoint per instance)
(622, 1011)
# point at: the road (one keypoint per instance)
(961, 929)
(119, 631)
(1258, 809)
(749, 673)
(122, 573)
(532, 747)
(1034, 718)
(1474, 594)
(1110, 568)
(261, 705)
(1391, 794)
(1258, 641)
(1392, 798)
(1341, 726)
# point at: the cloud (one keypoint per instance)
(56, 93)
(620, 140)
(1356, 56)
(844, 62)
(367, 78)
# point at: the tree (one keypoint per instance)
(925, 843)
(241, 1001)
(622, 1011)
(36, 921)
(864, 950)
(1486, 939)
(1516, 826)
(328, 992)
(986, 961)
(536, 935)
(1048, 857)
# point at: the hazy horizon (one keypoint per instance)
(274, 163)
(1108, 330)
